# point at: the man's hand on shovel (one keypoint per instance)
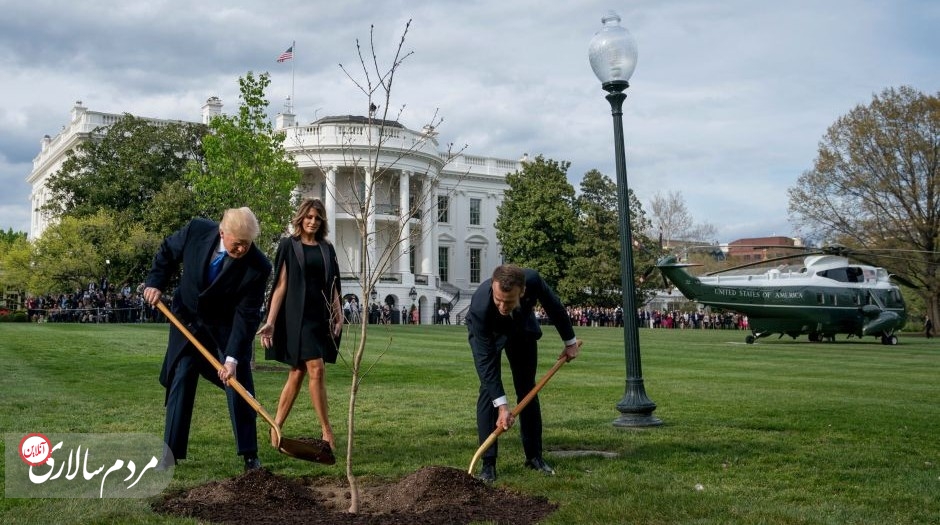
(505, 419)
(571, 351)
(227, 372)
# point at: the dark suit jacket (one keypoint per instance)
(223, 315)
(290, 253)
(488, 330)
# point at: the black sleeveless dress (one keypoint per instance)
(315, 329)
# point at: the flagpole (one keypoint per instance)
(293, 46)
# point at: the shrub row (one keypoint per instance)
(18, 316)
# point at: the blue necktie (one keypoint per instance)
(216, 266)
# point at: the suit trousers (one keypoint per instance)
(522, 354)
(182, 396)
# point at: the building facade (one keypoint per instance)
(756, 249)
(429, 214)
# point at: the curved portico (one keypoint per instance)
(386, 175)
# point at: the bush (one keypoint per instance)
(20, 316)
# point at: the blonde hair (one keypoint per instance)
(240, 223)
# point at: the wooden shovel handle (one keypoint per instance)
(218, 366)
(517, 409)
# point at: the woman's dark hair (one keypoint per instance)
(303, 210)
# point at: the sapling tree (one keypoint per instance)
(378, 159)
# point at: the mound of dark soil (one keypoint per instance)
(432, 495)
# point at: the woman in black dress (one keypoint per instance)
(305, 318)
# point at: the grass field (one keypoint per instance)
(779, 432)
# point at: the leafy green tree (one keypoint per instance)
(15, 256)
(593, 275)
(246, 165)
(172, 207)
(537, 221)
(875, 184)
(122, 168)
(75, 251)
(7, 238)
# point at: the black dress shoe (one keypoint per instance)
(252, 463)
(537, 463)
(488, 473)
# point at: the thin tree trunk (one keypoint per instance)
(351, 415)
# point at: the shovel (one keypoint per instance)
(518, 408)
(292, 447)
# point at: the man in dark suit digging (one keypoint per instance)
(501, 316)
(219, 298)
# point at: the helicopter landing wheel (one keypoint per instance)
(889, 340)
(750, 339)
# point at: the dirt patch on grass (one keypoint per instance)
(431, 495)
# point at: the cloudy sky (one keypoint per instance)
(727, 104)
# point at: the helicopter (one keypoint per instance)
(824, 296)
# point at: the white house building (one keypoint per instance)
(433, 213)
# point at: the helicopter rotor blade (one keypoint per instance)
(867, 256)
(765, 261)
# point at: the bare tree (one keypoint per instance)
(875, 184)
(671, 221)
(381, 162)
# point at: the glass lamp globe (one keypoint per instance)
(612, 51)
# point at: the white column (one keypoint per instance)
(404, 236)
(329, 201)
(428, 235)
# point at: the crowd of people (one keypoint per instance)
(96, 305)
(92, 305)
(693, 320)
(613, 317)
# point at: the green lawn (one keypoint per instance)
(779, 432)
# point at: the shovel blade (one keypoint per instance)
(317, 452)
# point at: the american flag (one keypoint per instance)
(286, 55)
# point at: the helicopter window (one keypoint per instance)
(843, 275)
(821, 298)
(835, 300)
(854, 274)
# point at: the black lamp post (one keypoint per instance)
(374, 295)
(613, 57)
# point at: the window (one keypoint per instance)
(443, 208)
(411, 259)
(475, 212)
(443, 263)
(475, 262)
